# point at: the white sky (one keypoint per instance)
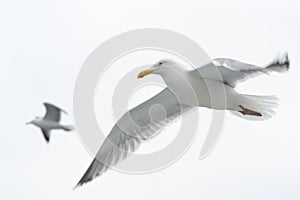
(43, 45)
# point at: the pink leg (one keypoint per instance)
(246, 111)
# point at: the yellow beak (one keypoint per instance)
(144, 73)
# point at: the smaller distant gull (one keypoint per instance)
(50, 121)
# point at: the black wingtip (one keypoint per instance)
(63, 111)
(47, 139)
(82, 181)
(76, 186)
(79, 184)
(284, 61)
(287, 61)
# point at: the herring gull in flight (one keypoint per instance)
(186, 90)
(50, 121)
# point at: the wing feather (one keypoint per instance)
(132, 129)
(231, 71)
(52, 112)
(46, 134)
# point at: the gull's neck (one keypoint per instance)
(178, 81)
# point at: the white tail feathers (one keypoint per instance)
(252, 107)
(263, 105)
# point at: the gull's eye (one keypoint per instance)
(160, 63)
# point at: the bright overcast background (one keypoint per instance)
(43, 45)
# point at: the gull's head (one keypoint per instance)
(176, 76)
(34, 120)
(30, 122)
(161, 68)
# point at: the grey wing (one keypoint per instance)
(46, 135)
(52, 112)
(132, 128)
(232, 71)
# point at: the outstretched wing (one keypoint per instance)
(135, 126)
(46, 135)
(52, 112)
(232, 71)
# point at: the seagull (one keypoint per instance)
(50, 121)
(209, 83)
(203, 85)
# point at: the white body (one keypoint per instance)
(197, 91)
(48, 124)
